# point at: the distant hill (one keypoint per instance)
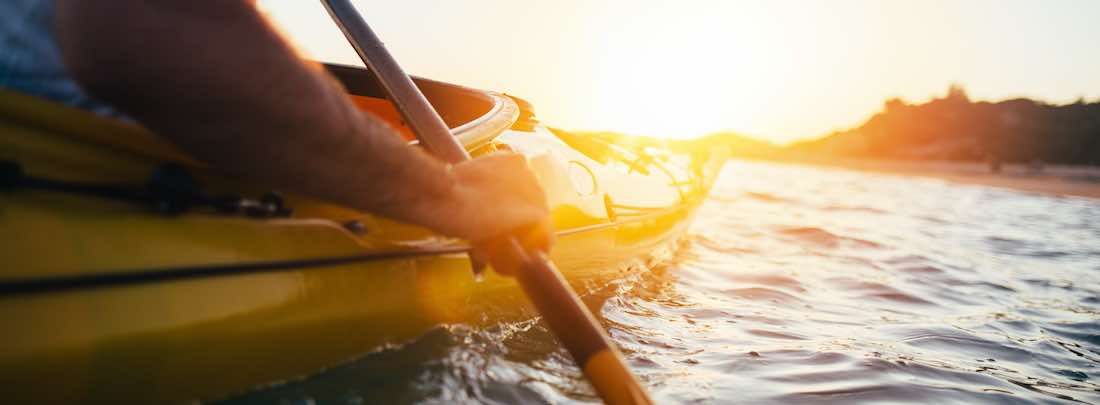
(955, 128)
(949, 128)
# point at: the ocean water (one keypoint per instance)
(804, 285)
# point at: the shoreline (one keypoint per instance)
(1058, 180)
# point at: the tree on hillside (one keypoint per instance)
(956, 92)
(956, 128)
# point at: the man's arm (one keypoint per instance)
(217, 80)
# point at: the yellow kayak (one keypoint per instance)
(134, 273)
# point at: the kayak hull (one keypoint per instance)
(164, 341)
(103, 300)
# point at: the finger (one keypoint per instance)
(494, 165)
(537, 236)
(507, 172)
(496, 250)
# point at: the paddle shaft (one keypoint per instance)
(544, 285)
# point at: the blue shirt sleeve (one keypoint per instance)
(30, 59)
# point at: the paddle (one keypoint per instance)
(559, 305)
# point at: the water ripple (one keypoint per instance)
(804, 285)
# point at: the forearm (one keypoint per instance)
(215, 79)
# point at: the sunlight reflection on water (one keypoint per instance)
(801, 284)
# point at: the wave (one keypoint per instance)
(821, 237)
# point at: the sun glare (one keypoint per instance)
(778, 70)
(659, 81)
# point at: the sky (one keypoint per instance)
(779, 70)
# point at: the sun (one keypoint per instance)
(673, 75)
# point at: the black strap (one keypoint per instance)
(171, 190)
